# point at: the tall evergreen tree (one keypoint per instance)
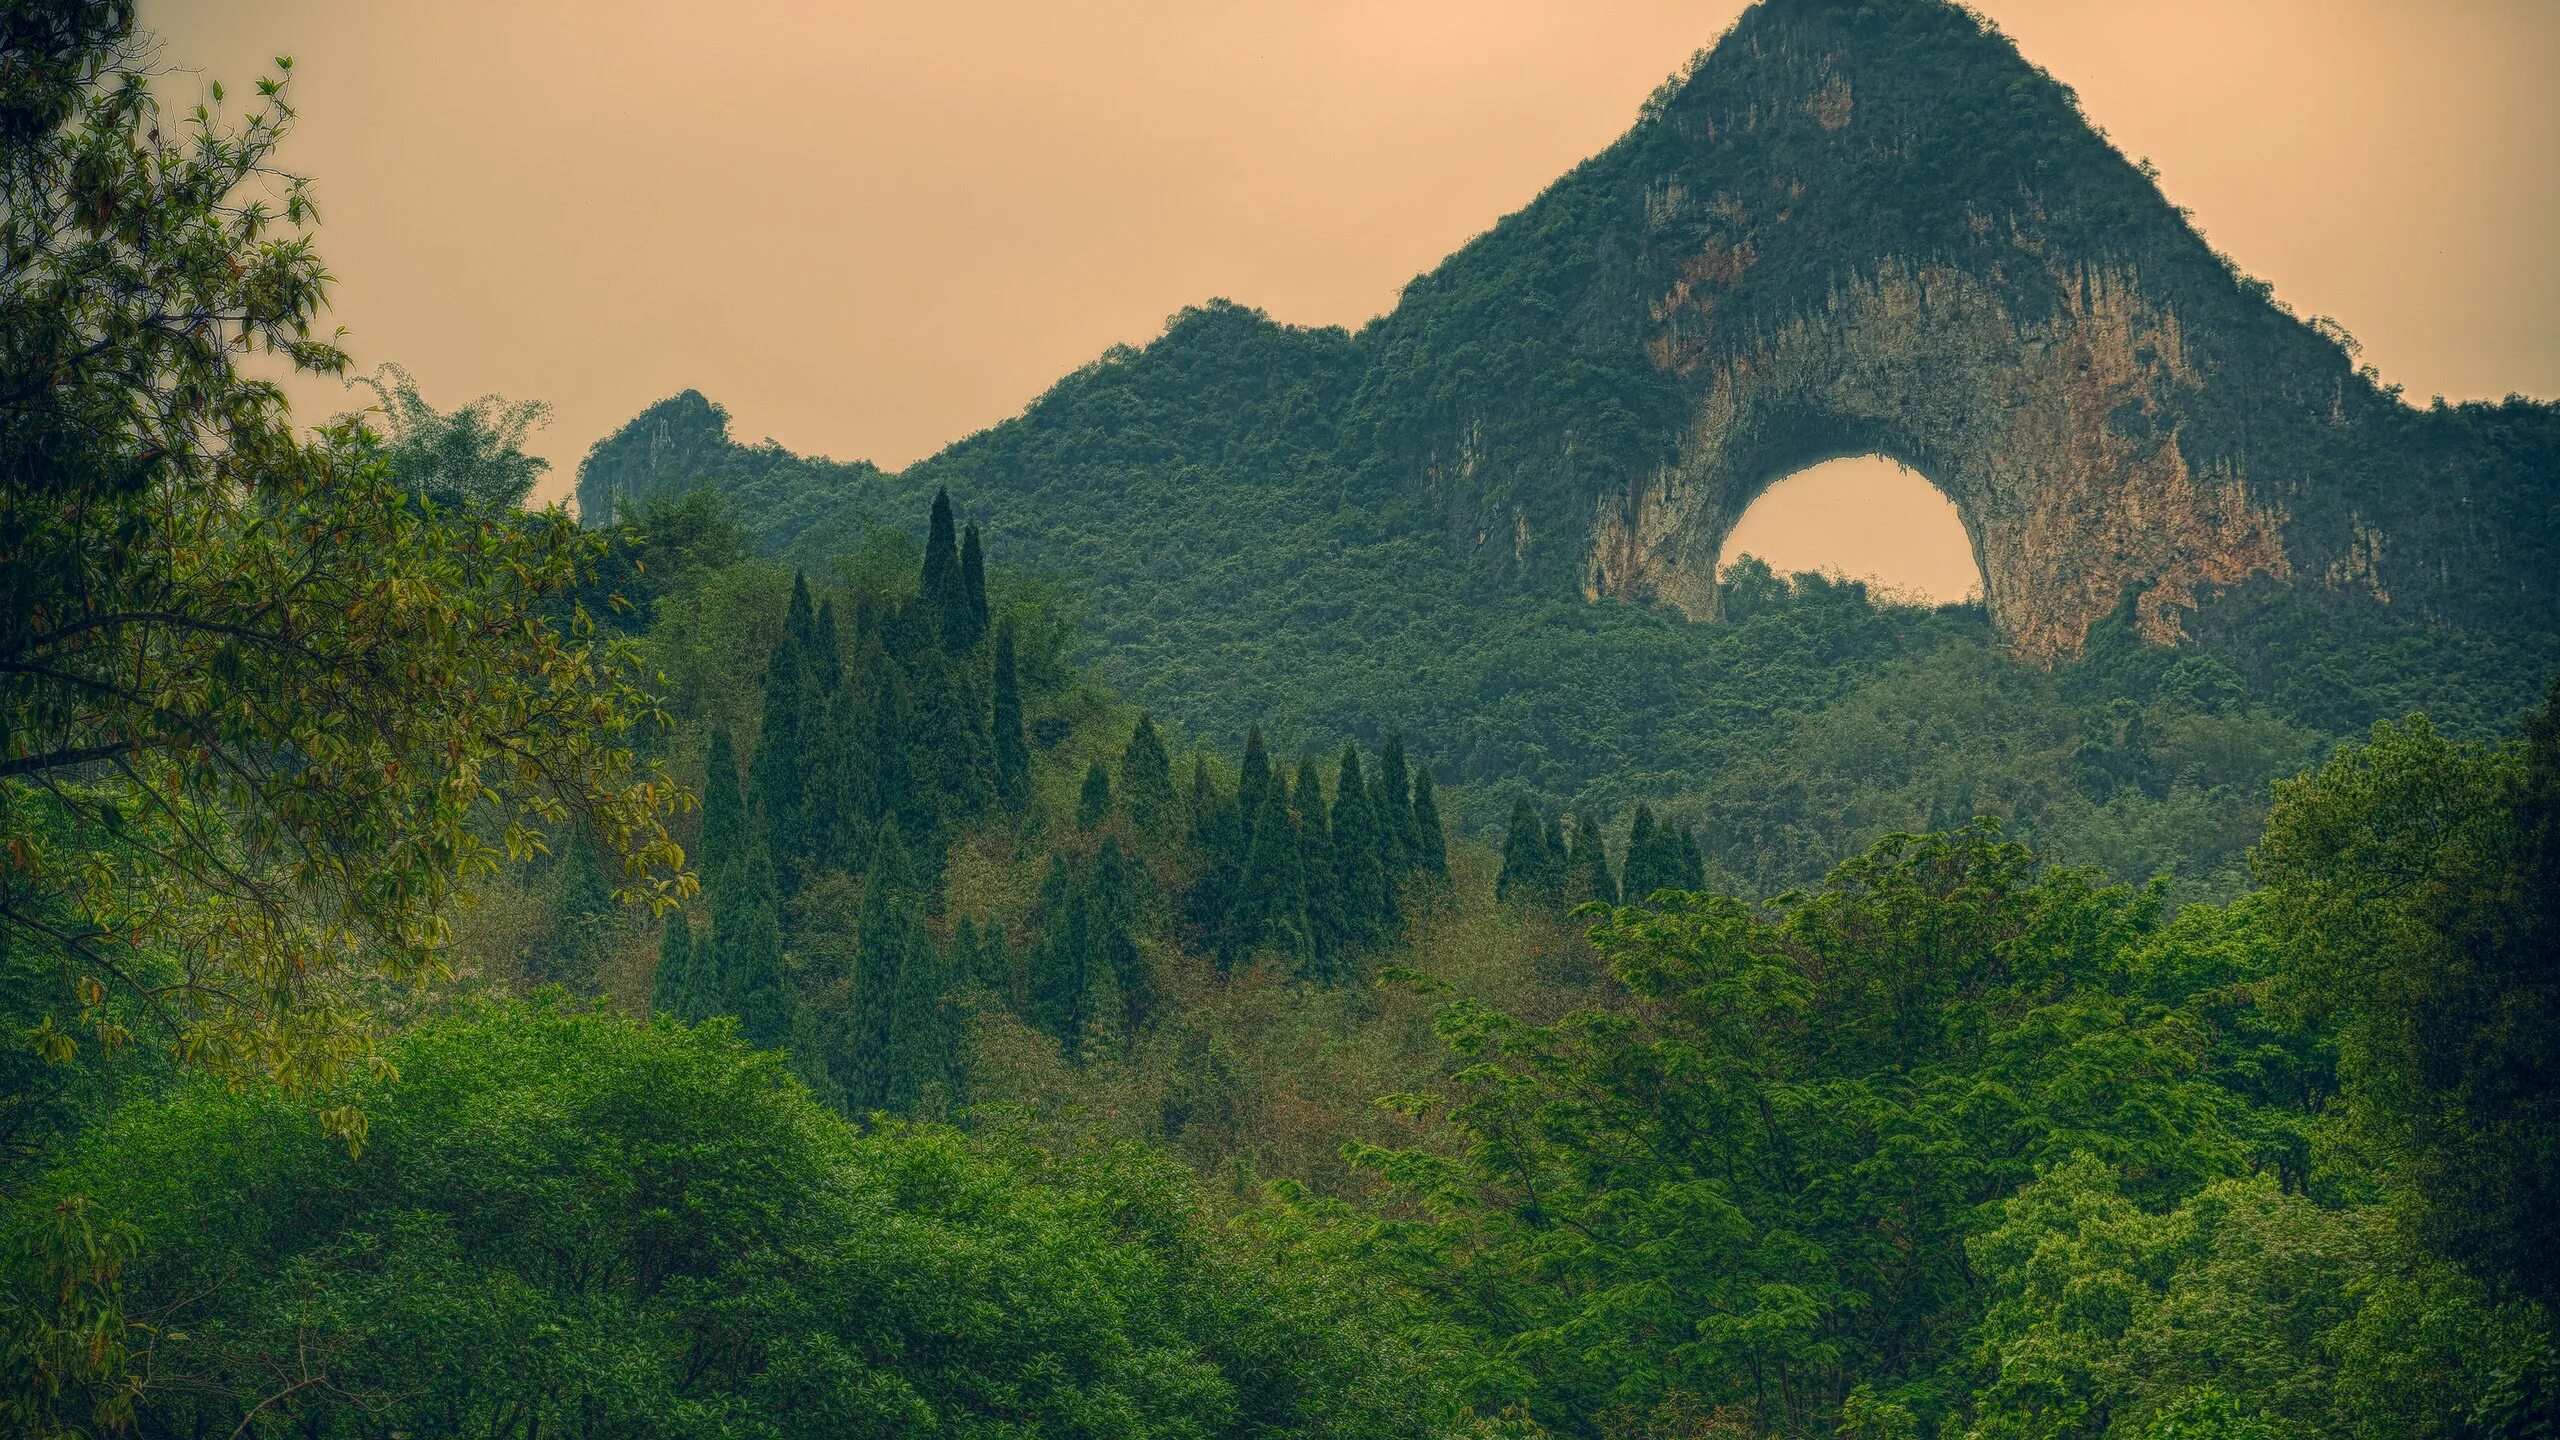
(1432, 854)
(1359, 857)
(921, 1054)
(974, 615)
(884, 991)
(681, 987)
(1647, 867)
(939, 592)
(747, 923)
(1061, 980)
(1093, 803)
(1558, 851)
(581, 910)
(953, 763)
(1217, 843)
(1587, 876)
(1253, 777)
(1115, 917)
(724, 811)
(1271, 894)
(1012, 751)
(825, 648)
(1146, 776)
(1332, 928)
(785, 746)
(1399, 838)
(844, 778)
(1524, 856)
(1692, 871)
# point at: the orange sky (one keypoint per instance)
(871, 228)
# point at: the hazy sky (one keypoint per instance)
(870, 228)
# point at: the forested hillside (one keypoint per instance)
(1126, 930)
(1492, 519)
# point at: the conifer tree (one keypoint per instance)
(1692, 873)
(1399, 837)
(953, 766)
(883, 956)
(581, 907)
(1217, 842)
(900, 790)
(1359, 861)
(920, 1048)
(1587, 877)
(1146, 776)
(747, 922)
(724, 812)
(1093, 803)
(1104, 1033)
(1432, 854)
(1524, 856)
(974, 616)
(995, 964)
(844, 780)
(940, 587)
(1060, 978)
(1551, 878)
(1116, 947)
(784, 748)
(680, 988)
(1645, 871)
(1012, 752)
(1271, 894)
(1253, 778)
(1332, 928)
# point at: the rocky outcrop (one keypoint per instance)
(2058, 439)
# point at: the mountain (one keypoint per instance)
(1495, 515)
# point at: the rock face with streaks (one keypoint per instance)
(1860, 227)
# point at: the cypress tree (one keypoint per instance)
(1645, 871)
(952, 763)
(724, 811)
(1692, 873)
(1217, 840)
(680, 989)
(920, 1048)
(883, 991)
(1432, 858)
(1060, 978)
(940, 585)
(1587, 874)
(844, 780)
(1093, 805)
(1359, 860)
(1146, 776)
(1116, 949)
(1012, 752)
(1253, 777)
(973, 590)
(901, 784)
(1551, 878)
(581, 906)
(1399, 838)
(825, 648)
(1524, 855)
(1104, 1032)
(1332, 928)
(748, 928)
(784, 748)
(995, 964)
(1271, 894)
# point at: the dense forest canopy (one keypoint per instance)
(1132, 927)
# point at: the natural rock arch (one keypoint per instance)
(2057, 439)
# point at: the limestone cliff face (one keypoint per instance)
(1869, 225)
(2057, 439)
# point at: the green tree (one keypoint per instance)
(262, 718)
(684, 986)
(897, 1042)
(975, 616)
(1586, 867)
(1218, 848)
(789, 746)
(1524, 856)
(470, 460)
(1146, 776)
(1253, 776)
(1093, 802)
(2417, 884)
(1360, 843)
(1432, 850)
(746, 925)
(1400, 842)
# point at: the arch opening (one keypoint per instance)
(1862, 517)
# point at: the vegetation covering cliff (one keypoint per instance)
(1489, 518)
